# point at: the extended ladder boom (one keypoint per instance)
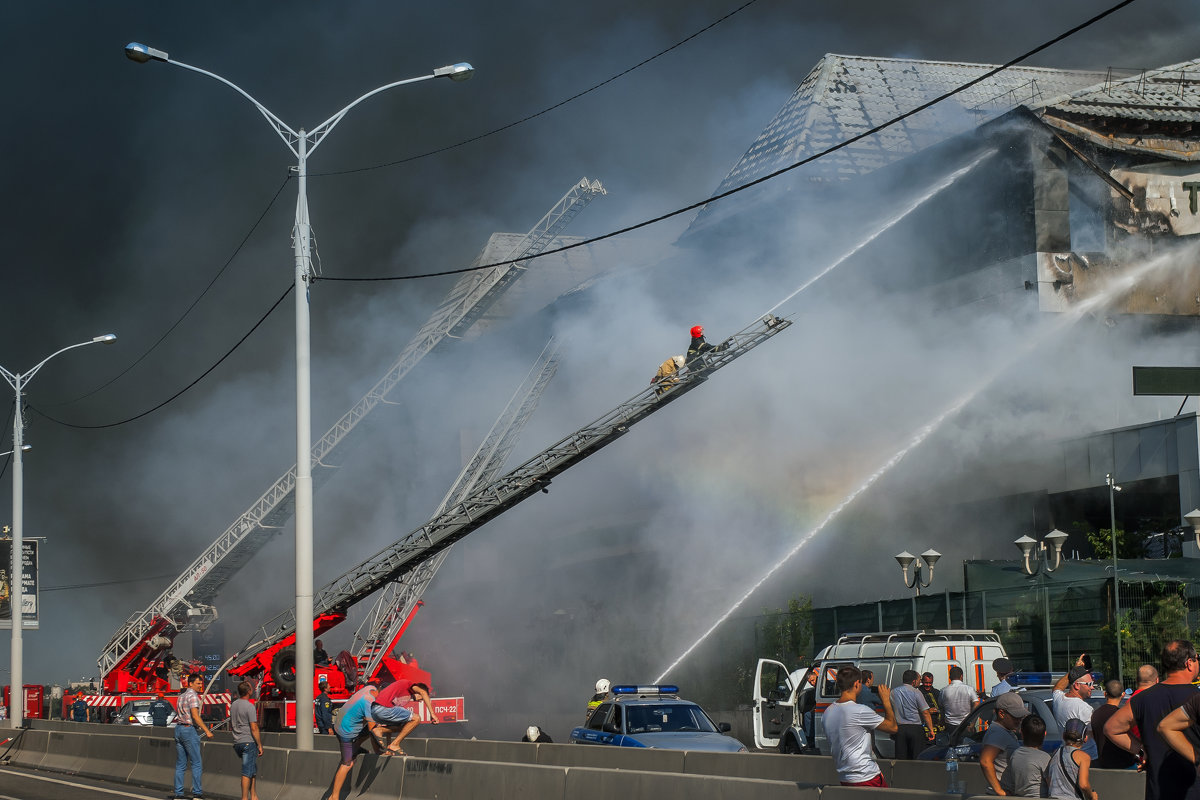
(185, 605)
(378, 633)
(490, 501)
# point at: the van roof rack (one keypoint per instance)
(917, 636)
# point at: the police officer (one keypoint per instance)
(323, 707)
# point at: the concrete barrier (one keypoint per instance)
(65, 752)
(1118, 782)
(477, 750)
(599, 784)
(309, 776)
(110, 757)
(223, 771)
(869, 793)
(478, 780)
(155, 765)
(599, 756)
(763, 766)
(29, 749)
(930, 776)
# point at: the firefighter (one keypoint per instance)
(699, 347)
(602, 687)
(665, 377)
(79, 709)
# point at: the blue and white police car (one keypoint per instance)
(655, 717)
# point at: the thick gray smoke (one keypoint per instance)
(130, 185)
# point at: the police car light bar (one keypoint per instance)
(645, 690)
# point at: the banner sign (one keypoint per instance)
(29, 584)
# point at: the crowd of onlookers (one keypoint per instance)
(1153, 727)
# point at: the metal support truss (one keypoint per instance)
(203, 579)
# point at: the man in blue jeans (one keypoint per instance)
(243, 719)
(187, 738)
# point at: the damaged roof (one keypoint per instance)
(843, 96)
(1151, 113)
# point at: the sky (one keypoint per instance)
(133, 186)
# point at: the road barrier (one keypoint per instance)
(482, 769)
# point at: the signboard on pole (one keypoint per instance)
(29, 584)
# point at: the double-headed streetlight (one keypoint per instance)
(1036, 557)
(301, 143)
(18, 381)
(906, 559)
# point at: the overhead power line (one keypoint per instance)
(544, 111)
(203, 375)
(762, 179)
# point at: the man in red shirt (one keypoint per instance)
(388, 710)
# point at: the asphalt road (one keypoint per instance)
(23, 784)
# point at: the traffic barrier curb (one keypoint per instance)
(762, 766)
(155, 763)
(309, 776)
(891, 793)
(30, 749)
(223, 771)
(930, 776)
(602, 784)
(65, 752)
(478, 750)
(433, 777)
(635, 758)
(104, 757)
(1118, 782)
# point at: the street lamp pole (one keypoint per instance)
(16, 599)
(302, 144)
(1036, 558)
(1112, 516)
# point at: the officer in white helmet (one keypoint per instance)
(602, 687)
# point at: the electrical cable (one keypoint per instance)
(103, 583)
(173, 397)
(544, 111)
(762, 179)
(188, 310)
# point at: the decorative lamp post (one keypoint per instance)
(906, 559)
(1039, 563)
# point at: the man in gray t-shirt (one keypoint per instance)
(243, 720)
(999, 741)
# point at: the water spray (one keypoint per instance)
(938, 187)
(1111, 290)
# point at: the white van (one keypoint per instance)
(887, 655)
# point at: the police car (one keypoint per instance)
(655, 717)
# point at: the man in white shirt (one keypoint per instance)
(1073, 704)
(957, 699)
(851, 728)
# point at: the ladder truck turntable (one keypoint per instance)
(132, 663)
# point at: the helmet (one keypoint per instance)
(679, 361)
(697, 331)
(532, 733)
(602, 686)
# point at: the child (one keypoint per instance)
(1067, 776)
(1025, 776)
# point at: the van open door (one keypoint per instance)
(774, 703)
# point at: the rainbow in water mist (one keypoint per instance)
(1111, 291)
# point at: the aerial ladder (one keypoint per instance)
(408, 556)
(385, 624)
(274, 669)
(135, 656)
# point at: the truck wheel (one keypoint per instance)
(271, 720)
(789, 745)
(283, 669)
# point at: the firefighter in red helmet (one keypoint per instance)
(699, 347)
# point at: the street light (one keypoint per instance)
(1052, 543)
(302, 144)
(25, 448)
(18, 382)
(1112, 518)
(906, 559)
